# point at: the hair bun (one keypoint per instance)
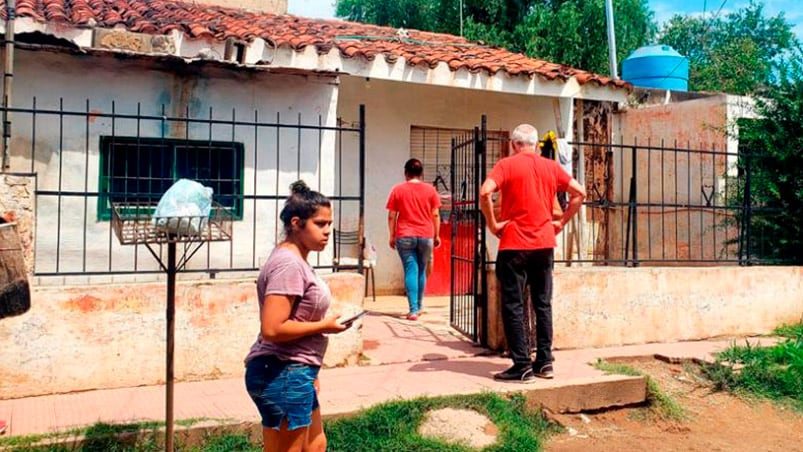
(299, 187)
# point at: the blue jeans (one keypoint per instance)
(414, 253)
(282, 390)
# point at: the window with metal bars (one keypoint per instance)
(140, 170)
(433, 146)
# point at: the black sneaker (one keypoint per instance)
(516, 374)
(543, 370)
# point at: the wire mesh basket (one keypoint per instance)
(134, 223)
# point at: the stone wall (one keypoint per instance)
(16, 196)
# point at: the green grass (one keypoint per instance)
(99, 437)
(227, 443)
(661, 404)
(390, 427)
(790, 331)
(774, 373)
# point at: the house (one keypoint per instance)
(111, 100)
(206, 61)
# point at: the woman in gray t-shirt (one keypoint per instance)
(282, 365)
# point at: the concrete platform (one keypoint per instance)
(403, 360)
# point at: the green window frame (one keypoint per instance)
(140, 170)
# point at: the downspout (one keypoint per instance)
(8, 74)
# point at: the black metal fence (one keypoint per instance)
(467, 285)
(664, 205)
(646, 205)
(87, 158)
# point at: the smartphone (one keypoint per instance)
(351, 320)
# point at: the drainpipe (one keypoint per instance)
(8, 75)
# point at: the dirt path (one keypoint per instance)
(716, 421)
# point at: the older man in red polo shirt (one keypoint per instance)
(526, 229)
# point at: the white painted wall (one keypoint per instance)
(98, 82)
(391, 108)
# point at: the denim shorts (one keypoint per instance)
(282, 389)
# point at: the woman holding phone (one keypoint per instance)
(282, 366)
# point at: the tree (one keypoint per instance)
(418, 14)
(442, 16)
(574, 32)
(736, 54)
(772, 150)
(571, 32)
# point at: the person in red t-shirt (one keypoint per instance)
(526, 232)
(414, 226)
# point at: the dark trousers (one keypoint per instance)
(515, 270)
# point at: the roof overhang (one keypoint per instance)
(261, 55)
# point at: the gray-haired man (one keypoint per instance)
(526, 230)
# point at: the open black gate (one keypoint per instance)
(469, 287)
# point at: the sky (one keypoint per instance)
(664, 9)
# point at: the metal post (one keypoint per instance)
(611, 39)
(747, 210)
(634, 204)
(478, 232)
(362, 187)
(171, 324)
(453, 223)
(629, 219)
(461, 18)
(483, 300)
(581, 179)
(8, 75)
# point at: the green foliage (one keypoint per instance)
(398, 13)
(794, 331)
(771, 148)
(769, 372)
(737, 54)
(97, 437)
(228, 443)
(571, 32)
(574, 32)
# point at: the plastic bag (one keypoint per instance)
(184, 208)
(369, 252)
(565, 155)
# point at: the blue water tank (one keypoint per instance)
(658, 66)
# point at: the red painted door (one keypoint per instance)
(438, 282)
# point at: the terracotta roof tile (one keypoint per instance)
(351, 39)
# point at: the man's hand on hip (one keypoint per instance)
(500, 226)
